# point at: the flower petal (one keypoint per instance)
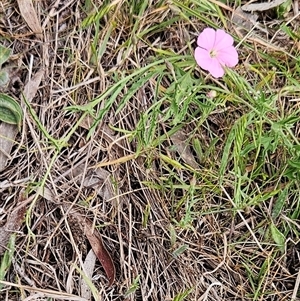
(203, 58)
(206, 39)
(228, 57)
(206, 62)
(222, 40)
(216, 69)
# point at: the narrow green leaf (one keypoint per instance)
(137, 84)
(240, 128)
(170, 161)
(227, 152)
(182, 296)
(180, 250)
(146, 215)
(149, 132)
(198, 149)
(235, 137)
(7, 258)
(89, 283)
(95, 17)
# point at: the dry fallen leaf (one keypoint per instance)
(8, 133)
(262, 6)
(184, 150)
(29, 14)
(97, 245)
(100, 180)
(13, 223)
(46, 294)
(76, 220)
(244, 20)
(32, 86)
(88, 267)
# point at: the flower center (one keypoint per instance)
(213, 53)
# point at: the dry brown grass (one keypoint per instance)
(115, 195)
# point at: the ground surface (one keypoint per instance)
(195, 198)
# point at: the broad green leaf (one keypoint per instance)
(3, 78)
(278, 237)
(173, 235)
(279, 203)
(10, 110)
(4, 54)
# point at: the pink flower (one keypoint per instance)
(215, 51)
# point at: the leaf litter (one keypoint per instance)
(13, 223)
(29, 14)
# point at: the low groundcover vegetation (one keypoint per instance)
(149, 150)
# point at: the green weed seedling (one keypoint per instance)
(182, 296)
(134, 286)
